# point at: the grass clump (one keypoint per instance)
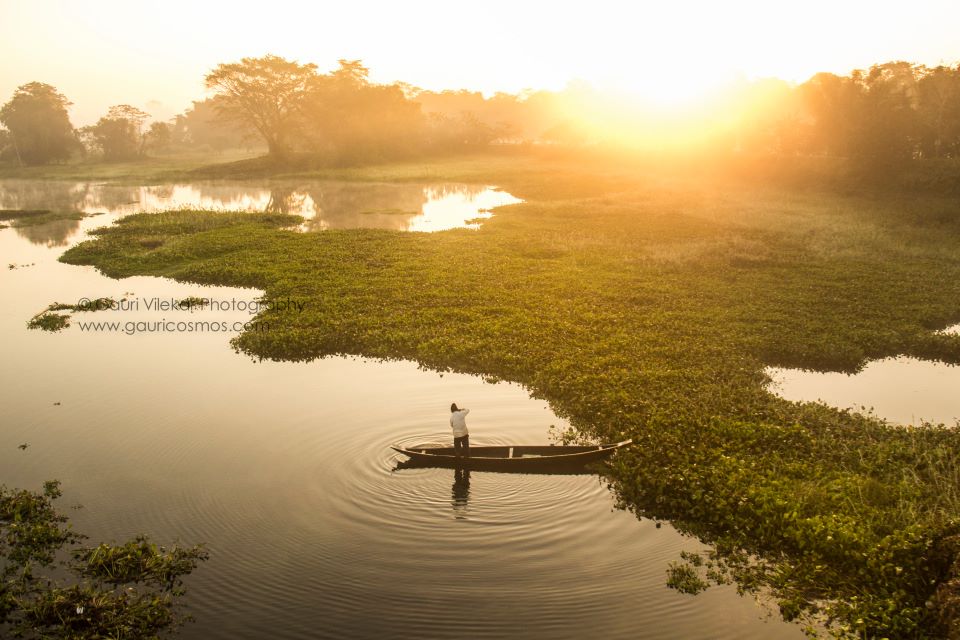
(647, 305)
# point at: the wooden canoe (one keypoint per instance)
(519, 458)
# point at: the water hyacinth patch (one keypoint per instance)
(648, 307)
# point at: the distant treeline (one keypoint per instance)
(885, 115)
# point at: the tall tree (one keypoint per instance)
(263, 93)
(202, 126)
(349, 118)
(890, 116)
(939, 111)
(159, 136)
(38, 124)
(120, 133)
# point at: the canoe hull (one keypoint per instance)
(529, 459)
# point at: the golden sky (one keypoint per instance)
(154, 54)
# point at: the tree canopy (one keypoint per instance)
(39, 125)
(264, 94)
(119, 134)
(881, 116)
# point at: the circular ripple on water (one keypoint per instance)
(423, 541)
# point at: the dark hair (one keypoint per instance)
(453, 407)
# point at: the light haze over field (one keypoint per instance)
(154, 55)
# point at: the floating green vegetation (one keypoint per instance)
(47, 217)
(685, 577)
(84, 304)
(49, 321)
(647, 305)
(11, 214)
(193, 301)
(53, 587)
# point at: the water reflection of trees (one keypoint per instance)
(287, 200)
(470, 191)
(232, 196)
(104, 197)
(53, 196)
(327, 205)
(380, 206)
(340, 205)
(36, 194)
(52, 234)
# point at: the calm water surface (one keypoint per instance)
(902, 390)
(284, 470)
(326, 204)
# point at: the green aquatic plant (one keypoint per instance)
(193, 301)
(13, 214)
(51, 586)
(647, 305)
(44, 217)
(85, 304)
(685, 579)
(49, 321)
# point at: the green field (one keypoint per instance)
(645, 303)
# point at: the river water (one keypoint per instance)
(903, 390)
(284, 471)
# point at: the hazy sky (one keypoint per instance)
(154, 54)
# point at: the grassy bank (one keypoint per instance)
(647, 305)
(154, 168)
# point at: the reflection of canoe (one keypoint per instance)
(515, 458)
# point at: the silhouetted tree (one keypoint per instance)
(38, 124)
(159, 136)
(835, 106)
(119, 133)
(6, 145)
(939, 110)
(264, 94)
(890, 122)
(346, 116)
(202, 126)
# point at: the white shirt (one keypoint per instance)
(458, 422)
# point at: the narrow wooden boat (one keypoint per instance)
(520, 458)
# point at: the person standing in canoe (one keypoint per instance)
(461, 438)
